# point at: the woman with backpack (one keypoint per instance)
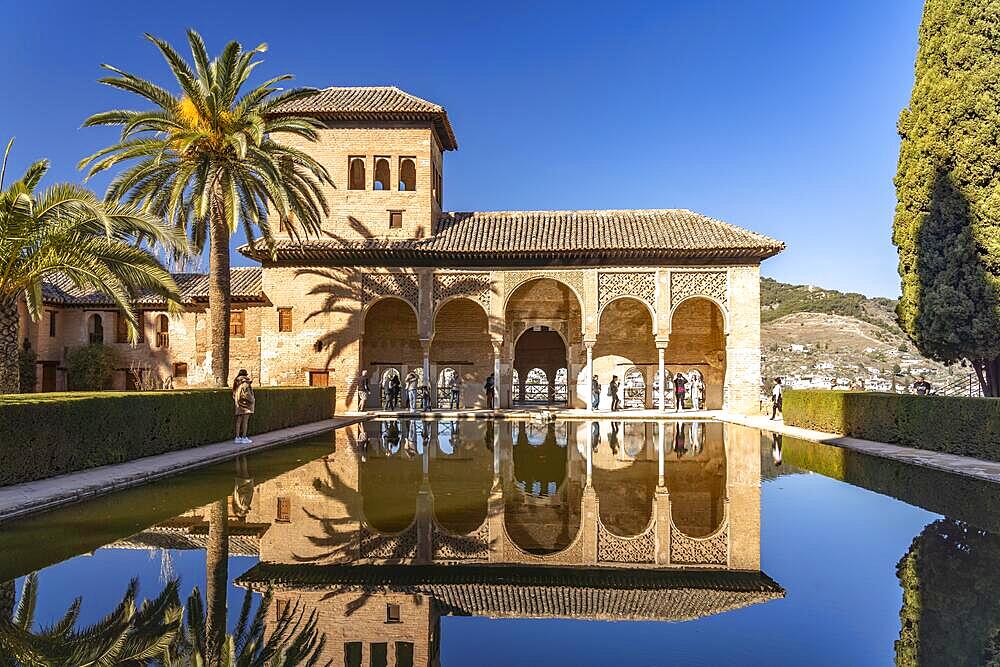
(613, 393)
(245, 402)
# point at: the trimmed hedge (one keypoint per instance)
(956, 425)
(43, 435)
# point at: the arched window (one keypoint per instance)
(95, 327)
(356, 176)
(536, 386)
(381, 174)
(445, 378)
(515, 385)
(635, 389)
(407, 174)
(162, 331)
(561, 390)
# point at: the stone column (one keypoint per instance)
(497, 348)
(590, 376)
(659, 452)
(425, 511)
(590, 463)
(588, 517)
(425, 346)
(661, 348)
(661, 511)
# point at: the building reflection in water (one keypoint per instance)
(408, 521)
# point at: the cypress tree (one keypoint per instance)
(947, 222)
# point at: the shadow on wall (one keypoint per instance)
(342, 289)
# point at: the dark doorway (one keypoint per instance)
(49, 375)
(539, 355)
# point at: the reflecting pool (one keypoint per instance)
(575, 542)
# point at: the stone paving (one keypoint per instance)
(22, 499)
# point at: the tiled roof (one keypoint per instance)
(536, 592)
(547, 237)
(245, 285)
(159, 538)
(373, 102)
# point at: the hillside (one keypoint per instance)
(817, 335)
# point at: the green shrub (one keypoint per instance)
(91, 367)
(42, 435)
(952, 424)
(27, 373)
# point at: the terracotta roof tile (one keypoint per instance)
(582, 237)
(372, 102)
(534, 592)
(245, 285)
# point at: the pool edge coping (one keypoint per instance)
(51, 493)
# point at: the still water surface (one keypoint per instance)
(584, 543)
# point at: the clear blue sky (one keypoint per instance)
(776, 115)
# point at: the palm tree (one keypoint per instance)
(293, 638)
(126, 636)
(67, 230)
(209, 160)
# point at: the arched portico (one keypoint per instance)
(625, 344)
(461, 341)
(698, 342)
(389, 341)
(543, 320)
(541, 503)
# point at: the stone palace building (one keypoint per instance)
(542, 299)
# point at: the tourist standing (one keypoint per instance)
(613, 393)
(595, 393)
(364, 389)
(244, 399)
(456, 391)
(697, 390)
(777, 391)
(411, 390)
(491, 390)
(392, 393)
(680, 391)
(680, 442)
(697, 438)
(776, 449)
(425, 398)
(922, 387)
(242, 498)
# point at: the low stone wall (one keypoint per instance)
(955, 425)
(43, 435)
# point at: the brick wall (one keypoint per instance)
(365, 213)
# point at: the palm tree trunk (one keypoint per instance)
(10, 381)
(216, 581)
(218, 295)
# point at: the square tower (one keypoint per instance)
(383, 149)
